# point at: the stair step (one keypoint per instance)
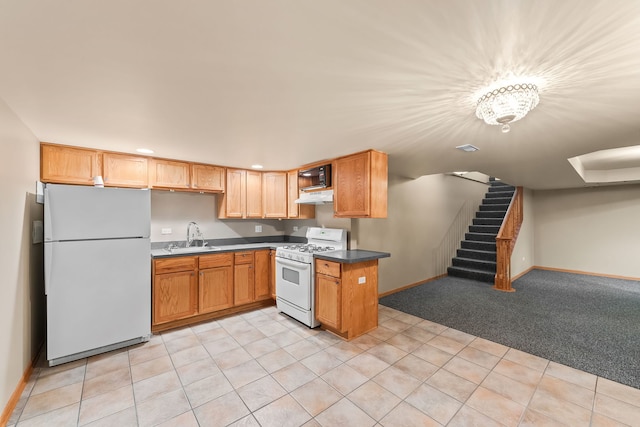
(480, 237)
(487, 221)
(477, 254)
(480, 265)
(499, 194)
(498, 188)
(490, 214)
(501, 208)
(497, 183)
(481, 246)
(492, 229)
(496, 201)
(468, 273)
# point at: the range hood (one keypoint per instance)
(316, 197)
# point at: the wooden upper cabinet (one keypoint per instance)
(69, 165)
(168, 174)
(207, 178)
(274, 194)
(124, 170)
(297, 210)
(360, 185)
(254, 194)
(233, 203)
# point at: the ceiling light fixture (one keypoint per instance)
(256, 166)
(507, 104)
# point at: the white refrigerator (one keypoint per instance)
(97, 270)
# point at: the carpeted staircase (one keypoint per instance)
(476, 258)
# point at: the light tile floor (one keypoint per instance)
(264, 369)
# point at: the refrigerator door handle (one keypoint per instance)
(48, 264)
(47, 217)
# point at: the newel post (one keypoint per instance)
(503, 265)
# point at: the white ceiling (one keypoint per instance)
(288, 82)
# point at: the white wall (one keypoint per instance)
(593, 230)
(420, 213)
(175, 210)
(22, 310)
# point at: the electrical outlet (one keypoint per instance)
(258, 229)
(295, 228)
(166, 231)
(362, 280)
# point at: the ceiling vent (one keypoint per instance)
(467, 147)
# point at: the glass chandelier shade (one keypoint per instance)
(507, 104)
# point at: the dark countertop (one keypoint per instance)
(352, 257)
(163, 253)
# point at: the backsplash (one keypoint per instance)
(174, 211)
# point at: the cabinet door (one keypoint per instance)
(329, 301)
(233, 201)
(272, 273)
(207, 178)
(275, 194)
(175, 296)
(121, 170)
(262, 262)
(254, 195)
(168, 174)
(215, 289)
(243, 284)
(68, 165)
(351, 186)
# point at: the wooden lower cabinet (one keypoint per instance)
(329, 301)
(215, 284)
(272, 273)
(261, 260)
(347, 297)
(191, 289)
(243, 278)
(175, 296)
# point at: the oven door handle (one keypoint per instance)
(293, 264)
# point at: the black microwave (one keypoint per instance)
(315, 178)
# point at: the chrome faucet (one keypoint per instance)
(190, 235)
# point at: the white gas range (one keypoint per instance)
(295, 290)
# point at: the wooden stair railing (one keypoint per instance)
(506, 240)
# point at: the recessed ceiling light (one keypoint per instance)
(144, 150)
(257, 166)
(467, 147)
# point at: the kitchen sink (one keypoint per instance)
(193, 250)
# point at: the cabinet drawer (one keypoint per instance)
(217, 260)
(243, 257)
(328, 268)
(170, 265)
